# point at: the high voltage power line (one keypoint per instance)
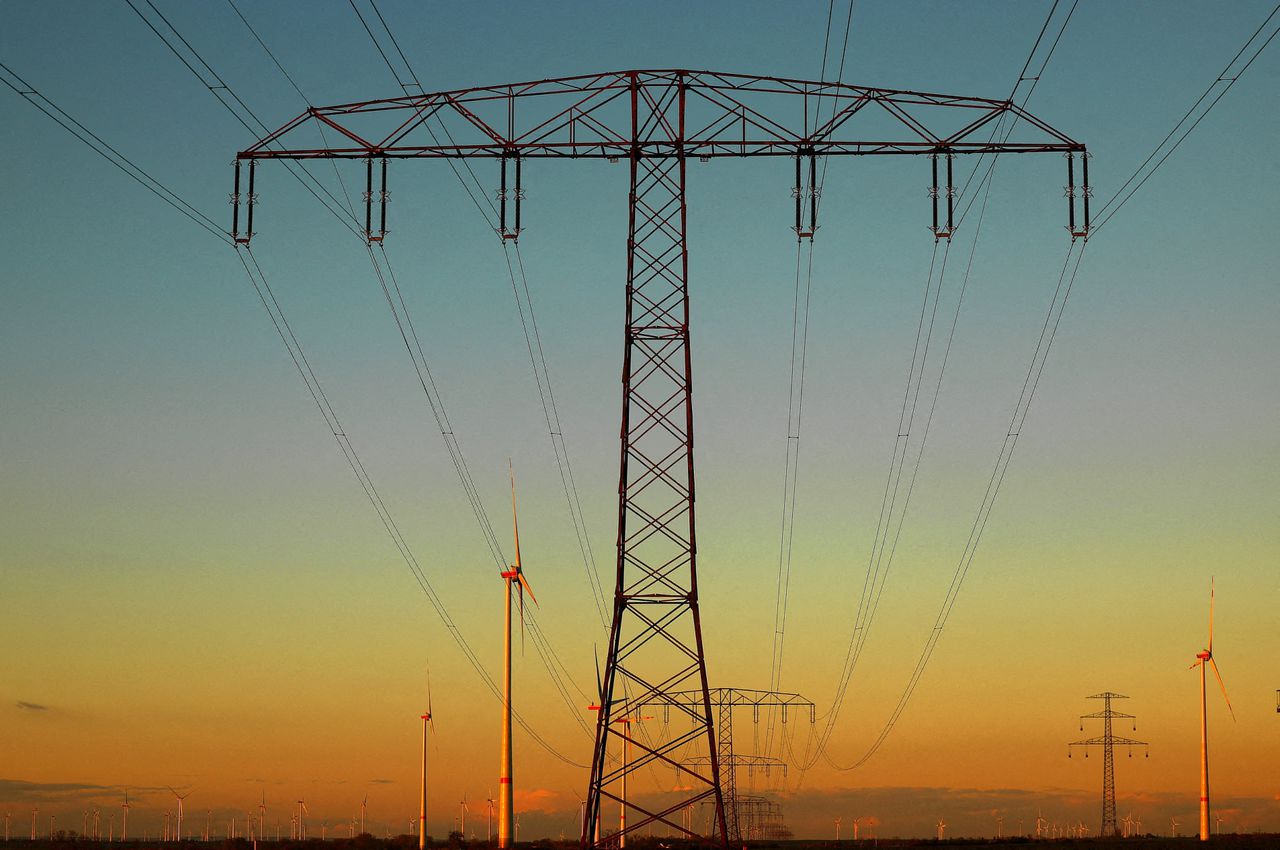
(1031, 381)
(293, 347)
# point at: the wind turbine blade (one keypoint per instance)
(524, 582)
(520, 591)
(599, 680)
(1224, 687)
(515, 524)
(430, 714)
(1210, 647)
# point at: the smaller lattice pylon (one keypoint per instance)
(724, 701)
(1107, 741)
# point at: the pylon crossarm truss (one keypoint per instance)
(1102, 740)
(728, 115)
(764, 764)
(719, 115)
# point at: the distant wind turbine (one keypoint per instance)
(262, 815)
(302, 820)
(180, 797)
(363, 805)
(942, 828)
(1203, 658)
(513, 576)
(837, 829)
(489, 832)
(1173, 827)
(34, 812)
(422, 812)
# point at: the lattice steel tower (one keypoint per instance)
(1107, 741)
(657, 121)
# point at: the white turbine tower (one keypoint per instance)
(422, 812)
(302, 820)
(489, 804)
(364, 804)
(942, 828)
(1203, 658)
(514, 580)
(262, 816)
(180, 798)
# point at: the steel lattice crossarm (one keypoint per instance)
(594, 116)
(1101, 740)
(753, 763)
(730, 698)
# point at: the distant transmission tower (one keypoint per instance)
(724, 700)
(1107, 741)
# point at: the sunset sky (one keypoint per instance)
(194, 590)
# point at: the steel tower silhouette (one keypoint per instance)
(1107, 741)
(657, 121)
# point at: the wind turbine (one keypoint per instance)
(422, 812)
(34, 812)
(942, 828)
(1173, 826)
(363, 805)
(302, 821)
(262, 815)
(855, 828)
(1203, 658)
(1217, 819)
(180, 797)
(512, 576)
(837, 829)
(465, 808)
(489, 832)
(1040, 822)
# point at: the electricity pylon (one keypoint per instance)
(724, 701)
(657, 121)
(1107, 741)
